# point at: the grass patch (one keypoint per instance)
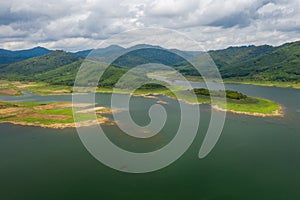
(265, 83)
(41, 113)
(45, 121)
(171, 75)
(65, 111)
(14, 88)
(257, 105)
(9, 89)
(236, 102)
(46, 89)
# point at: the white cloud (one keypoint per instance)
(78, 24)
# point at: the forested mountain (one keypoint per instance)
(64, 75)
(7, 56)
(148, 55)
(280, 63)
(233, 55)
(101, 52)
(37, 65)
(264, 62)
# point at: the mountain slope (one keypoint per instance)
(265, 63)
(280, 64)
(148, 55)
(8, 57)
(101, 52)
(233, 55)
(38, 65)
(64, 75)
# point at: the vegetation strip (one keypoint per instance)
(235, 102)
(51, 115)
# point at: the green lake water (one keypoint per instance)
(255, 158)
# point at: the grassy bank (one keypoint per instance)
(246, 105)
(172, 76)
(50, 115)
(253, 106)
(265, 83)
(47, 89)
(259, 107)
(7, 88)
(15, 88)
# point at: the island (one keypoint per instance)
(60, 114)
(56, 115)
(236, 102)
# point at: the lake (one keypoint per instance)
(255, 158)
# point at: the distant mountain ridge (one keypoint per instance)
(101, 51)
(8, 56)
(266, 63)
(281, 63)
(27, 68)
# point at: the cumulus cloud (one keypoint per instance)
(80, 24)
(213, 13)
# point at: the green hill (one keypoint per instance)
(64, 75)
(233, 55)
(263, 63)
(255, 63)
(247, 63)
(148, 55)
(8, 56)
(37, 65)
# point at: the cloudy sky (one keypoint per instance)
(80, 24)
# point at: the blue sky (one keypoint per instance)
(79, 24)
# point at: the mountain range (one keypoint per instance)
(8, 56)
(261, 63)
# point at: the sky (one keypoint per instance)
(81, 24)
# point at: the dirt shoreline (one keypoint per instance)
(276, 113)
(17, 112)
(103, 120)
(103, 110)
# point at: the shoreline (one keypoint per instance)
(265, 84)
(276, 113)
(239, 82)
(103, 120)
(107, 121)
(60, 112)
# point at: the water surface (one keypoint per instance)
(255, 158)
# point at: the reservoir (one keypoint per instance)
(255, 157)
